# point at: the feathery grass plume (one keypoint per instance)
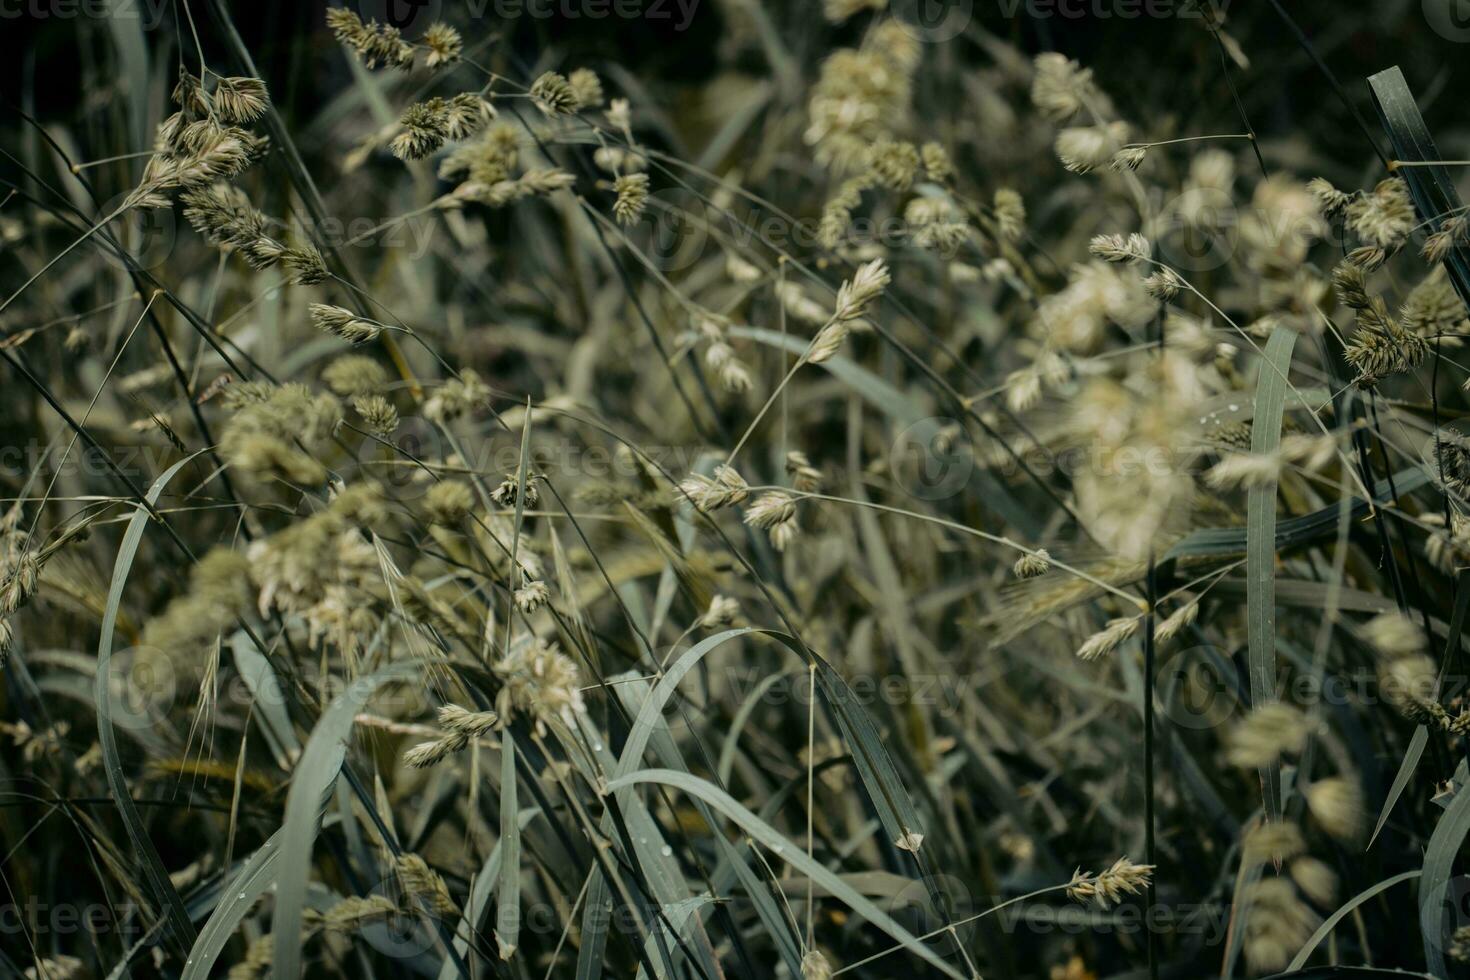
(1266, 734)
(859, 96)
(1393, 634)
(1178, 621)
(304, 265)
(354, 374)
(218, 595)
(1115, 248)
(814, 965)
(465, 115)
(1351, 285)
(1163, 285)
(775, 513)
(1273, 841)
(1336, 803)
(632, 191)
(1082, 149)
(343, 323)
(586, 88)
(1128, 158)
(1408, 684)
(532, 596)
(1452, 458)
(427, 754)
(1061, 88)
(1109, 638)
(280, 435)
(352, 913)
(475, 724)
(937, 163)
(540, 681)
(1381, 347)
(894, 163)
(1245, 471)
(240, 100)
(378, 414)
(724, 488)
(1433, 307)
(509, 492)
(1108, 887)
(1277, 925)
(1315, 880)
(448, 502)
(1385, 217)
(1329, 199)
(721, 612)
(444, 44)
(554, 95)
(457, 397)
(374, 43)
(1010, 213)
(805, 478)
(1032, 565)
(424, 885)
(856, 294)
(425, 128)
(224, 216)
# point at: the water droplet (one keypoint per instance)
(667, 851)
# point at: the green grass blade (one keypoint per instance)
(1261, 542)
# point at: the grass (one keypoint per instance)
(980, 507)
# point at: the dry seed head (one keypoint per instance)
(620, 114)
(1163, 285)
(721, 612)
(857, 293)
(1316, 880)
(426, 754)
(448, 502)
(587, 88)
(553, 95)
(1394, 634)
(937, 162)
(444, 44)
(1128, 158)
(632, 191)
(805, 478)
(1177, 622)
(354, 374)
(775, 513)
(1108, 887)
(304, 264)
(894, 164)
(540, 680)
(1082, 149)
(352, 913)
(827, 342)
(1277, 925)
(1245, 471)
(735, 376)
(378, 414)
(343, 323)
(725, 488)
(1384, 217)
(1010, 213)
(1266, 734)
(1272, 841)
(509, 492)
(423, 884)
(814, 965)
(1116, 248)
(1109, 638)
(1337, 805)
(532, 596)
(1032, 565)
(472, 723)
(1329, 199)
(1061, 87)
(1351, 285)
